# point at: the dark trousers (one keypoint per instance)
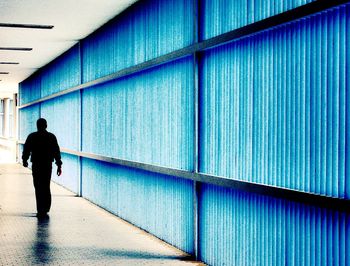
(41, 178)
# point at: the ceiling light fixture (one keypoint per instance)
(9, 63)
(26, 26)
(16, 48)
(4, 73)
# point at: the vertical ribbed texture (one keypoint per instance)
(221, 16)
(147, 30)
(29, 89)
(62, 115)
(273, 107)
(239, 228)
(27, 120)
(156, 203)
(62, 73)
(70, 173)
(146, 117)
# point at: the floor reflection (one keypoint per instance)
(42, 250)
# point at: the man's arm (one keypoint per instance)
(27, 149)
(57, 156)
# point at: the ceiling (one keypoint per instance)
(72, 20)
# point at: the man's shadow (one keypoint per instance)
(41, 249)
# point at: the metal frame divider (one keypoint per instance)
(196, 34)
(80, 141)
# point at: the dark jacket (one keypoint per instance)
(43, 148)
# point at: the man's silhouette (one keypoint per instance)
(43, 148)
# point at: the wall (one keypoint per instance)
(267, 109)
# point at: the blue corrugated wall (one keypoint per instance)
(126, 119)
(145, 31)
(157, 203)
(221, 16)
(27, 120)
(62, 73)
(62, 115)
(30, 89)
(285, 124)
(70, 177)
(240, 228)
(273, 108)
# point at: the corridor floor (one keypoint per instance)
(76, 233)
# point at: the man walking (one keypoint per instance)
(43, 148)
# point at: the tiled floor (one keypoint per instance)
(76, 233)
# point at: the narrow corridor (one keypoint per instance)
(77, 232)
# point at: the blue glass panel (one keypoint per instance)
(27, 120)
(221, 16)
(62, 73)
(70, 177)
(273, 107)
(239, 228)
(146, 117)
(158, 204)
(29, 89)
(147, 30)
(62, 115)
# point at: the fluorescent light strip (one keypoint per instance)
(26, 26)
(9, 63)
(16, 48)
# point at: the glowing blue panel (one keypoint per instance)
(273, 107)
(27, 120)
(238, 228)
(156, 203)
(70, 177)
(62, 115)
(147, 30)
(221, 16)
(146, 117)
(62, 73)
(29, 89)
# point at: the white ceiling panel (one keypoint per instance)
(73, 20)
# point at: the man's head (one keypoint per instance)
(41, 124)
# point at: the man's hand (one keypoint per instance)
(25, 163)
(59, 171)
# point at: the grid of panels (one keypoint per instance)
(239, 228)
(62, 73)
(146, 117)
(285, 124)
(233, 78)
(221, 16)
(148, 29)
(156, 203)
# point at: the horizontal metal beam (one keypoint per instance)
(271, 22)
(119, 74)
(262, 189)
(278, 192)
(133, 164)
(274, 21)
